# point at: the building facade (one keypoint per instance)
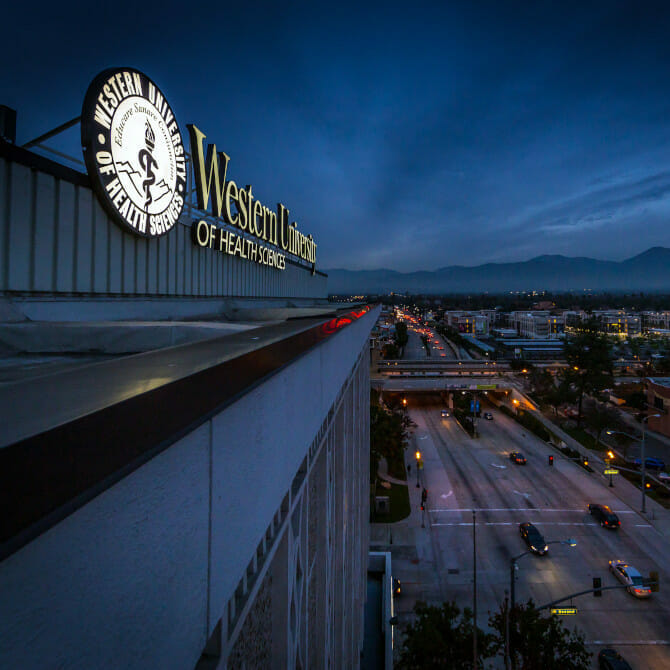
(202, 505)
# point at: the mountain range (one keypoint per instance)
(648, 271)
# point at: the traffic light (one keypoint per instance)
(586, 461)
(422, 507)
(424, 496)
(551, 460)
(597, 586)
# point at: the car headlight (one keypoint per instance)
(533, 548)
(546, 547)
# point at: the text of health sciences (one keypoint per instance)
(249, 214)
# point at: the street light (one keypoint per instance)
(643, 464)
(610, 455)
(570, 542)
(418, 460)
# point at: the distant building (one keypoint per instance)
(658, 398)
(469, 323)
(619, 322)
(537, 324)
(653, 322)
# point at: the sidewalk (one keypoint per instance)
(410, 544)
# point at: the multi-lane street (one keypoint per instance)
(463, 474)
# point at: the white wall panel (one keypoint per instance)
(65, 233)
(100, 249)
(115, 257)
(5, 196)
(44, 235)
(84, 240)
(19, 237)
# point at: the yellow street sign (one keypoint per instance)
(564, 611)
(611, 471)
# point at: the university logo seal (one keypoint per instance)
(134, 152)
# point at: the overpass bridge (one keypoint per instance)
(434, 376)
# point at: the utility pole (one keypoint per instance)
(507, 661)
(474, 589)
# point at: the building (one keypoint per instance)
(619, 322)
(537, 324)
(196, 494)
(658, 399)
(469, 323)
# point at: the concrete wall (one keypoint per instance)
(212, 530)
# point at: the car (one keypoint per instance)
(533, 538)
(663, 476)
(518, 458)
(631, 577)
(488, 416)
(651, 463)
(611, 659)
(604, 515)
(444, 412)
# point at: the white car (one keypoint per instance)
(445, 412)
(629, 576)
(663, 476)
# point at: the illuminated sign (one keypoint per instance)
(134, 152)
(564, 611)
(611, 471)
(238, 207)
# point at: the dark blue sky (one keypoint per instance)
(409, 136)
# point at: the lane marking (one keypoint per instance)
(446, 495)
(514, 523)
(502, 467)
(525, 495)
(615, 643)
(520, 509)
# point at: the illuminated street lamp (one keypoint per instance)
(610, 458)
(643, 464)
(418, 460)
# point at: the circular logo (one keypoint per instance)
(134, 151)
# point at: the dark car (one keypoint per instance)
(533, 538)
(604, 516)
(518, 458)
(611, 659)
(651, 463)
(488, 416)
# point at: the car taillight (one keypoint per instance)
(618, 523)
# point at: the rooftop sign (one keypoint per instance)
(238, 207)
(133, 151)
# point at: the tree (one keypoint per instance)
(560, 393)
(441, 637)
(390, 351)
(388, 435)
(401, 336)
(588, 355)
(539, 642)
(599, 417)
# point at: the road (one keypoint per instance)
(462, 474)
